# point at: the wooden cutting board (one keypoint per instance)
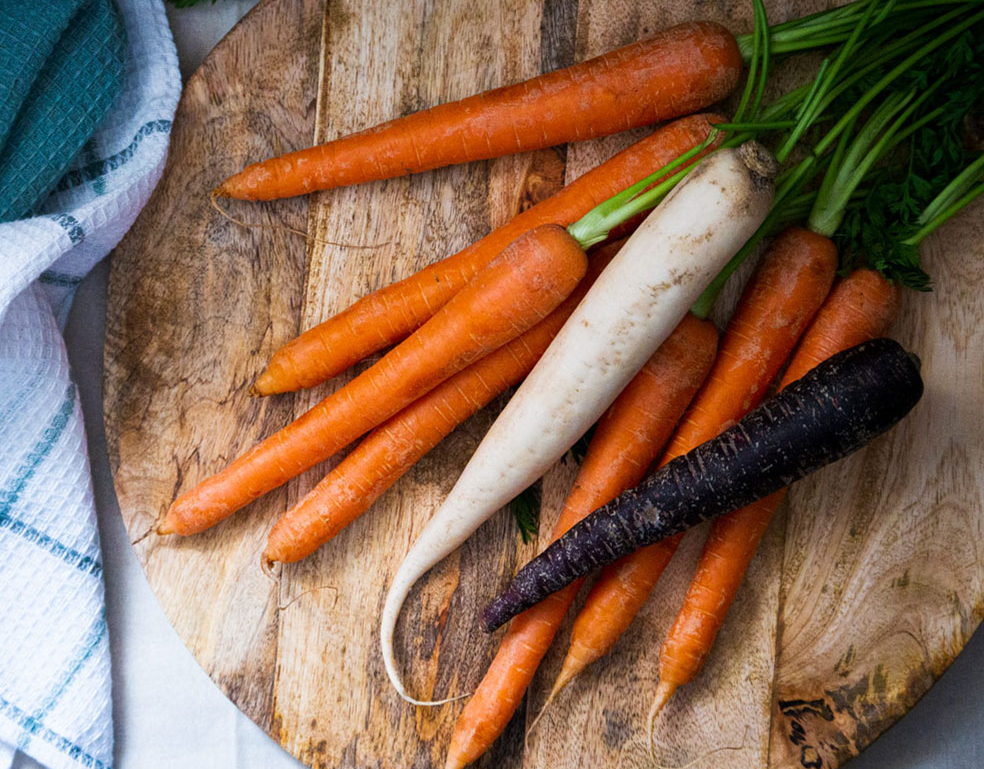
(866, 586)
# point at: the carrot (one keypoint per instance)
(516, 291)
(626, 315)
(831, 412)
(678, 71)
(391, 313)
(394, 447)
(625, 441)
(780, 299)
(861, 307)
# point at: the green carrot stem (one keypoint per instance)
(752, 69)
(763, 20)
(944, 215)
(595, 225)
(758, 69)
(829, 27)
(829, 73)
(756, 126)
(804, 120)
(951, 199)
(960, 183)
(850, 167)
(891, 75)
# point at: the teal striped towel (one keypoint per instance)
(88, 90)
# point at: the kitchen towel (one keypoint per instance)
(54, 651)
(62, 62)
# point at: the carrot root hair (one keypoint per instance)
(150, 530)
(292, 601)
(269, 569)
(664, 690)
(213, 201)
(550, 698)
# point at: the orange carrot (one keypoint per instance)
(863, 306)
(390, 314)
(777, 304)
(626, 440)
(520, 288)
(678, 71)
(395, 446)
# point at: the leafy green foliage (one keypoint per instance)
(877, 229)
(526, 510)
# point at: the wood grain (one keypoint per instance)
(198, 304)
(867, 584)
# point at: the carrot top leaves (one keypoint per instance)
(919, 175)
(525, 508)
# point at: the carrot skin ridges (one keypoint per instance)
(778, 302)
(829, 413)
(625, 442)
(678, 71)
(860, 307)
(732, 541)
(518, 290)
(390, 450)
(386, 316)
(775, 308)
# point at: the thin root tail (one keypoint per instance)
(217, 193)
(269, 569)
(663, 693)
(153, 529)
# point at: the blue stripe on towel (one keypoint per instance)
(93, 171)
(71, 225)
(60, 279)
(10, 495)
(96, 634)
(63, 744)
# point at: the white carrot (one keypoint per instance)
(630, 310)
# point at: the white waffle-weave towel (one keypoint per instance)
(54, 650)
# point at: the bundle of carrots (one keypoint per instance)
(622, 335)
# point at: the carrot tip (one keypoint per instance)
(267, 567)
(568, 672)
(663, 693)
(263, 385)
(454, 760)
(163, 529)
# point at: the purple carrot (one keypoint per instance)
(832, 411)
